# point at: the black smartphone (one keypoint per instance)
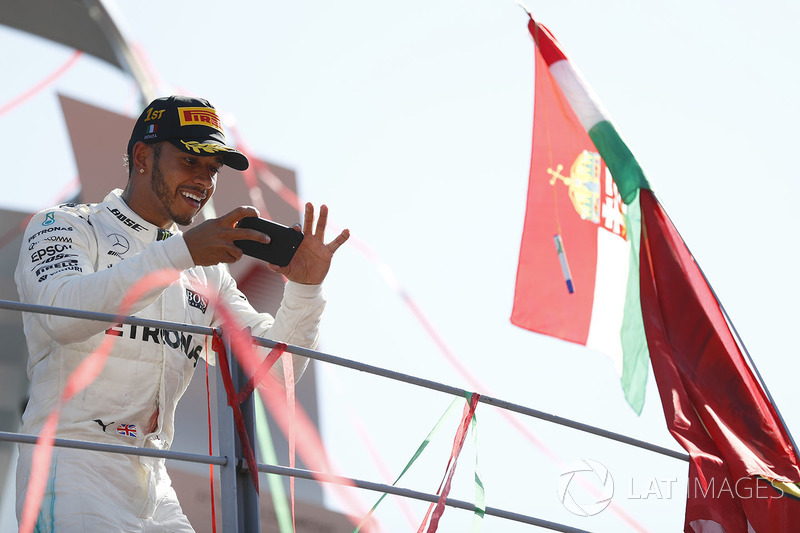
(283, 243)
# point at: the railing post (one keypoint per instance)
(227, 448)
(250, 518)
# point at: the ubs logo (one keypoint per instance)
(197, 300)
(119, 244)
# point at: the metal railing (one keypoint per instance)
(240, 510)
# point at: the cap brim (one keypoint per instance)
(236, 160)
(209, 147)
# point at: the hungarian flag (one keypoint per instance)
(602, 265)
(578, 264)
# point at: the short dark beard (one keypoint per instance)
(162, 191)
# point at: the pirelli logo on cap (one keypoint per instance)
(199, 116)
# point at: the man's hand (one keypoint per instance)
(312, 260)
(211, 242)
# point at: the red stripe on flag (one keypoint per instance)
(551, 51)
(563, 198)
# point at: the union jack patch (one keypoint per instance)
(129, 430)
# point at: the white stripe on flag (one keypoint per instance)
(610, 287)
(579, 95)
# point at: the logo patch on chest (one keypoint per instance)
(197, 300)
(119, 244)
(128, 430)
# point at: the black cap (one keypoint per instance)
(191, 124)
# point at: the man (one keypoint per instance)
(87, 257)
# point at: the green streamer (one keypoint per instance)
(419, 451)
(268, 455)
(480, 494)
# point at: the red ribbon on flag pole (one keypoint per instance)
(234, 399)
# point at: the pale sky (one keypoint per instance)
(412, 121)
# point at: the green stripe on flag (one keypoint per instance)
(629, 178)
(627, 173)
(635, 355)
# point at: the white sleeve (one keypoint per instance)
(296, 322)
(60, 272)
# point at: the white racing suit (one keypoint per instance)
(87, 257)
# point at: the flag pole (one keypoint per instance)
(523, 6)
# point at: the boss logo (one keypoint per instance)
(125, 220)
(197, 300)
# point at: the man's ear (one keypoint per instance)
(142, 159)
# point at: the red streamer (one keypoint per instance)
(258, 170)
(234, 401)
(42, 84)
(262, 371)
(458, 444)
(372, 448)
(311, 448)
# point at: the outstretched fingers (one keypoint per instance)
(322, 221)
(339, 240)
(308, 218)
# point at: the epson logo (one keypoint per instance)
(125, 220)
(197, 300)
(49, 250)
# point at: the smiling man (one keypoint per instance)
(87, 257)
